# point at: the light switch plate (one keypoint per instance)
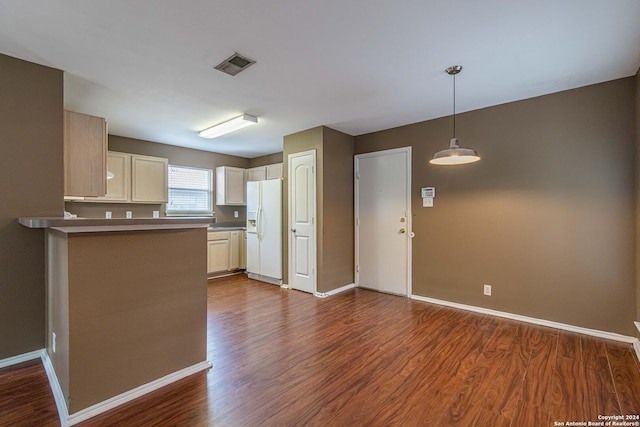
(427, 202)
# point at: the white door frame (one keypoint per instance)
(407, 150)
(314, 245)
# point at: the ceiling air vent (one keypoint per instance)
(234, 64)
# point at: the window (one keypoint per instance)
(190, 191)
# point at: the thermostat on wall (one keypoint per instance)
(428, 192)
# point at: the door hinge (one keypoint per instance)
(357, 268)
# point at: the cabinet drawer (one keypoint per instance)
(217, 235)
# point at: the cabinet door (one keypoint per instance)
(274, 171)
(235, 248)
(149, 179)
(85, 155)
(217, 255)
(243, 251)
(257, 174)
(119, 165)
(230, 186)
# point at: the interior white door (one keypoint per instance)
(383, 220)
(302, 227)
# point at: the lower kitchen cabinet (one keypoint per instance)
(217, 255)
(243, 254)
(235, 249)
(225, 251)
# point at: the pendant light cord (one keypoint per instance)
(454, 105)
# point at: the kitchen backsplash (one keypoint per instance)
(118, 210)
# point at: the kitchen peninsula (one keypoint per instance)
(126, 306)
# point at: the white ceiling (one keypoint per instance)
(357, 66)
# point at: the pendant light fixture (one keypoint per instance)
(454, 155)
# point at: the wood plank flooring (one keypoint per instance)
(25, 396)
(285, 358)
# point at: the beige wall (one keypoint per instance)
(144, 315)
(547, 215)
(334, 203)
(177, 156)
(149, 330)
(31, 176)
(269, 159)
(336, 254)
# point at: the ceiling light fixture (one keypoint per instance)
(454, 155)
(228, 126)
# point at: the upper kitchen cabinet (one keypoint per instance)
(274, 171)
(134, 179)
(230, 186)
(85, 155)
(149, 176)
(118, 179)
(260, 173)
(257, 174)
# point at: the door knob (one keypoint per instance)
(402, 231)
(293, 230)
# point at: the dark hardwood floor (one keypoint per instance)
(25, 396)
(285, 358)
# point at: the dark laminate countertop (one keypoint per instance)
(85, 225)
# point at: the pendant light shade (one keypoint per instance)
(454, 155)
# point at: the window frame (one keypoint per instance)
(172, 212)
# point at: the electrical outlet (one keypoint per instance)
(487, 290)
(53, 342)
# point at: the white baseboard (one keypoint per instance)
(10, 361)
(54, 384)
(98, 408)
(542, 322)
(130, 395)
(334, 291)
(225, 274)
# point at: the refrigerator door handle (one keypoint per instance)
(259, 223)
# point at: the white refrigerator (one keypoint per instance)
(264, 230)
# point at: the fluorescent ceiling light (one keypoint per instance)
(228, 126)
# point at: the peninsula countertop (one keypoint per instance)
(87, 225)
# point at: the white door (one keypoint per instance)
(383, 220)
(302, 227)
